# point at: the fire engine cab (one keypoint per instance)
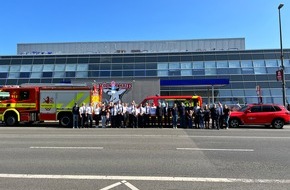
(32, 103)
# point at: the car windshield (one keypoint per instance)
(4, 95)
(242, 109)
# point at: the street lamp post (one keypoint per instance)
(282, 61)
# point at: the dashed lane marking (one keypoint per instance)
(217, 149)
(48, 147)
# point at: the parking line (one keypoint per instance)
(146, 178)
(48, 147)
(217, 149)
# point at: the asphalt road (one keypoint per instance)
(35, 158)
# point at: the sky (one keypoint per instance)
(39, 21)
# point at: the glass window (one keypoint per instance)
(234, 64)
(37, 67)
(186, 65)
(209, 64)
(222, 64)
(36, 75)
(82, 67)
(94, 73)
(139, 73)
(186, 72)
(246, 63)
(70, 74)
(286, 63)
(238, 93)
(151, 73)
(4, 61)
(16, 62)
(225, 93)
(198, 65)
(104, 73)
(174, 58)
(14, 68)
(173, 65)
(151, 66)
(105, 66)
(235, 70)
(59, 74)
(128, 73)
(271, 63)
(94, 60)
(25, 68)
(186, 58)
(276, 92)
(139, 59)
(93, 67)
(162, 66)
(48, 67)
(59, 68)
(139, 66)
(129, 60)
(222, 71)
(237, 85)
(27, 61)
(38, 61)
(60, 61)
(70, 67)
(47, 74)
(162, 72)
(3, 75)
(272, 70)
(247, 71)
(4, 68)
(210, 71)
(260, 70)
(81, 74)
(128, 66)
(49, 61)
(72, 60)
(116, 66)
(174, 72)
(198, 72)
(116, 73)
(24, 74)
(259, 63)
(13, 75)
(250, 92)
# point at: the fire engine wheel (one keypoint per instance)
(65, 121)
(11, 120)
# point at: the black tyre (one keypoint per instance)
(65, 120)
(278, 124)
(234, 123)
(11, 120)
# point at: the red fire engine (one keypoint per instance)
(34, 103)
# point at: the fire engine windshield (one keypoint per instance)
(4, 96)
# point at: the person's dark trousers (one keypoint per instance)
(166, 120)
(214, 123)
(90, 120)
(221, 122)
(141, 121)
(113, 121)
(146, 120)
(83, 120)
(159, 121)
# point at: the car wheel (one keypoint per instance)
(278, 124)
(234, 123)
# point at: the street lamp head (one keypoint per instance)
(280, 6)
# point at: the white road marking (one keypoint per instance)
(132, 187)
(217, 149)
(48, 147)
(146, 178)
(112, 186)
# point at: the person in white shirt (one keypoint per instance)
(147, 114)
(132, 115)
(83, 112)
(140, 116)
(97, 113)
(152, 112)
(89, 112)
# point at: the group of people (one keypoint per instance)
(122, 115)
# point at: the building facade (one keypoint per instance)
(231, 75)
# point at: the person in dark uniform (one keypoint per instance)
(166, 114)
(76, 114)
(159, 114)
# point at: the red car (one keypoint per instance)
(260, 114)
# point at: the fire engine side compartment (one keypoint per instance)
(58, 102)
